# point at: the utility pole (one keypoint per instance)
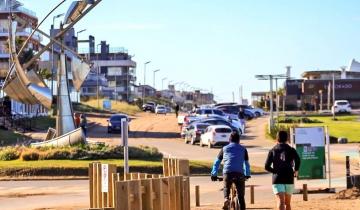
(162, 83)
(271, 103)
(233, 96)
(240, 94)
(98, 75)
(321, 100)
(277, 99)
(333, 94)
(329, 96)
(143, 93)
(154, 77)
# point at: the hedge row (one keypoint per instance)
(79, 152)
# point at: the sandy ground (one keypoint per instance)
(162, 131)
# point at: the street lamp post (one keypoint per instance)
(169, 83)
(97, 76)
(154, 77)
(162, 82)
(52, 55)
(143, 93)
(77, 37)
(271, 78)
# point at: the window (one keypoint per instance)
(207, 111)
(117, 118)
(202, 127)
(223, 130)
(218, 112)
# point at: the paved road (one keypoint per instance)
(162, 132)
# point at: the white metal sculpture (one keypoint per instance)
(26, 86)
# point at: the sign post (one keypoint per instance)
(124, 137)
(106, 104)
(310, 145)
(104, 178)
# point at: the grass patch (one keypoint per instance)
(116, 106)
(18, 164)
(80, 167)
(346, 126)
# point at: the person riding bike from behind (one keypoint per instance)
(236, 169)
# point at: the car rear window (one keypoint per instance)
(223, 130)
(207, 111)
(218, 112)
(202, 127)
(117, 118)
(342, 103)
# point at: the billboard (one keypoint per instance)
(310, 145)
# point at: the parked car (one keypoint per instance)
(114, 122)
(149, 106)
(225, 104)
(234, 110)
(256, 111)
(218, 121)
(194, 132)
(160, 109)
(211, 113)
(216, 135)
(186, 122)
(341, 106)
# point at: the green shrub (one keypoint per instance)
(292, 120)
(28, 155)
(9, 153)
(56, 154)
(274, 131)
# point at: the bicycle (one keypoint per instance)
(234, 202)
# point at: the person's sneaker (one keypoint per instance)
(226, 204)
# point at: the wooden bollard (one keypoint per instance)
(197, 195)
(252, 194)
(305, 192)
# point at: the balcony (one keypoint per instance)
(4, 9)
(127, 77)
(4, 32)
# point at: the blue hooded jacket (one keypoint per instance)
(236, 159)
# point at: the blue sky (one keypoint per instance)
(220, 45)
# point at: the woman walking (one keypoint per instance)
(284, 163)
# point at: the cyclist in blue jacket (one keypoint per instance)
(236, 169)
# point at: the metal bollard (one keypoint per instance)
(197, 195)
(252, 194)
(305, 192)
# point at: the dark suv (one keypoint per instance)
(149, 106)
(114, 123)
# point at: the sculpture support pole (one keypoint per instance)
(64, 119)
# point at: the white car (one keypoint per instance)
(160, 109)
(341, 106)
(215, 135)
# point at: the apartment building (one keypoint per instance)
(117, 66)
(22, 34)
